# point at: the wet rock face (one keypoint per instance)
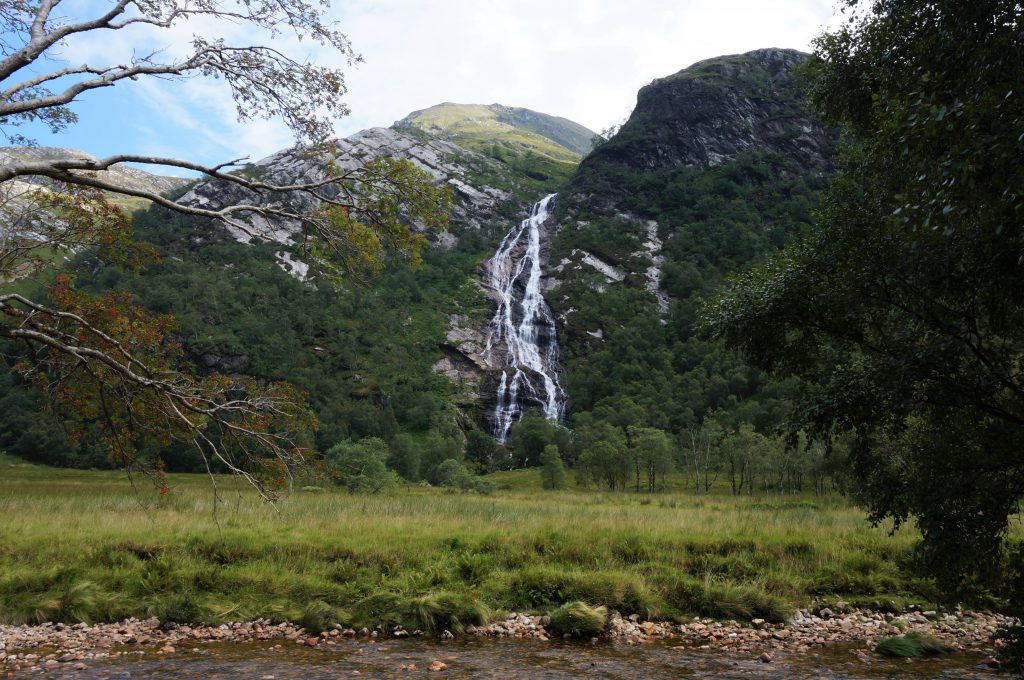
(715, 110)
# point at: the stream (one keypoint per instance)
(487, 658)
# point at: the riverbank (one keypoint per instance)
(81, 646)
(87, 546)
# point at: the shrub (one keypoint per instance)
(453, 474)
(360, 466)
(578, 619)
(484, 487)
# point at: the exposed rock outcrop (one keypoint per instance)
(715, 110)
(123, 175)
(474, 203)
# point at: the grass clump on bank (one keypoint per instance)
(86, 546)
(912, 645)
(578, 620)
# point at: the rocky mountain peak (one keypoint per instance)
(713, 111)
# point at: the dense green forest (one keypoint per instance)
(363, 355)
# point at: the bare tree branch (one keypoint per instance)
(101, 357)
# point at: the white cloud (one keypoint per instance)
(582, 59)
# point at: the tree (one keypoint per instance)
(480, 450)
(605, 462)
(702, 439)
(405, 457)
(532, 434)
(108, 361)
(652, 452)
(453, 474)
(360, 466)
(904, 308)
(552, 472)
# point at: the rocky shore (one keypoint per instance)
(50, 646)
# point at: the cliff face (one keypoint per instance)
(710, 113)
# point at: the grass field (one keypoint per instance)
(81, 545)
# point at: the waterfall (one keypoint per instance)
(523, 327)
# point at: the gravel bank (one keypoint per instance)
(78, 646)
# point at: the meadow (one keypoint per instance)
(91, 546)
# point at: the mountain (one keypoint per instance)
(124, 175)
(484, 190)
(544, 148)
(712, 112)
(717, 165)
(375, 359)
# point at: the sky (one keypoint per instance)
(581, 59)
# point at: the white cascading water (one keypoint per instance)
(524, 326)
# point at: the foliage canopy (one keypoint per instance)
(903, 308)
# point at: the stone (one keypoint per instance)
(312, 642)
(437, 666)
(765, 657)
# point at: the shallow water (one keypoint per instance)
(512, 659)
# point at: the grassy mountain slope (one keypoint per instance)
(542, 147)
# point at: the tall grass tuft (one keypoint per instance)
(318, 616)
(578, 620)
(438, 612)
(176, 608)
(912, 645)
